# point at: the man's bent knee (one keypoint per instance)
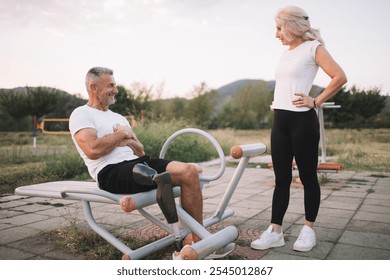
(183, 173)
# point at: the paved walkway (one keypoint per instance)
(353, 222)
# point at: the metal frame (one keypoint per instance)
(88, 192)
(320, 113)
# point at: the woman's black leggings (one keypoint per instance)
(295, 134)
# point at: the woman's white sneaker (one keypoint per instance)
(268, 239)
(306, 240)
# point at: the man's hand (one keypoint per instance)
(130, 140)
(125, 130)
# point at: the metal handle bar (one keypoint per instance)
(210, 138)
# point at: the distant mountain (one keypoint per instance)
(229, 90)
(225, 92)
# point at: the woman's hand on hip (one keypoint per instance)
(303, 101)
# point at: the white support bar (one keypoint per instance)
(249, 150)
(320, 113)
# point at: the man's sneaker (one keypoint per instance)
(306, 240)
(268, 239)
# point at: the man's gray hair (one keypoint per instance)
(95, 73)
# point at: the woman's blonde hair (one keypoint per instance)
(294, 21)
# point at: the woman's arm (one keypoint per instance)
(333, 70)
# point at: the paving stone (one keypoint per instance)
(38, 244)
(331, 222)
(16, 233)
(65, 211)
(377, 201)
(346, 193)
(272, 255)
(50, 224)
(119, 219)
(350, 252)
(7, 253)
(247, 253)
(366, 239)
(60, 255)
(6, 213)
(379, 196)
(335, 212)
(250, 204)
(4, 226)
(340, 204)
(6, 198)
(14, 203)
(31, 208)
(369, 216)
(374, 208)
(245, 212)
(24, 219)
(368, 226)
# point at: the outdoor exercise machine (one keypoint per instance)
(164, 195)
(323, 165)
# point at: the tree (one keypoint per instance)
(14, 105)
(143, 96)
(66, 103)
(227, 116)
(369, 103)
(248, 110)
(383, 119)
(359, 108)
(41, 101)
(254, 101)
(340, 117)
(23, 102)
(200, 109)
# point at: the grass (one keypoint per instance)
(358, 149)
(54, 158)
(82, 241)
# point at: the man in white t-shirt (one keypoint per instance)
(110, 149)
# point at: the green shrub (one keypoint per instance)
(187, 148)
(65, 166)
(53, 168)
(9, 181)
(154, 135)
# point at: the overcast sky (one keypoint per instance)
(177, 44)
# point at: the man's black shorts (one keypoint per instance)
(118, 178)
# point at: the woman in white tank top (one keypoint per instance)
(295, 131)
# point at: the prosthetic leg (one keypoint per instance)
(144, 175)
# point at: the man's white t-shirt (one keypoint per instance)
(103, 122)
(295, 73)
